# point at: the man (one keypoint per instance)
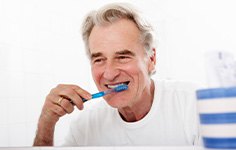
(120, 45)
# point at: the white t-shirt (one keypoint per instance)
(172, 120)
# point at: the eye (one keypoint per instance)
(123, 59)
(98, 60)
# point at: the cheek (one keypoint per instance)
(131, 70)
(96, 73)
(136, 68)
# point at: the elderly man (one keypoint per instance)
(120, 46)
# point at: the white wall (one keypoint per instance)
(41, 46)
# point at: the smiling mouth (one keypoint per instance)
(112, 86)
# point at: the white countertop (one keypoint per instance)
(105, 148)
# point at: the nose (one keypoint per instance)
(111, 72)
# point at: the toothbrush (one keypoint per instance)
(119, 88)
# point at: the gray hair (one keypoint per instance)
(113, 12)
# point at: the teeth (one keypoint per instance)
(114, 86)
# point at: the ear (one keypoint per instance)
(152, 62)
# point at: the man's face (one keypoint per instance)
(118, 56)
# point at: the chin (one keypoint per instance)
(115, 102)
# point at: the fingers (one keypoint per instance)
(61, 101)
(66, 105)
(58, 110)
(51, 112)
(82, 92)
(73, 93)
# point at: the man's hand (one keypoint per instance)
(59, 101)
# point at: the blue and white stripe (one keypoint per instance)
(217, 113)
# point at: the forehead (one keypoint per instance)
(120, 35)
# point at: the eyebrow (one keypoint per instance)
(125, 52)
(122, 52)
(95, 55)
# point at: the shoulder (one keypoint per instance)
(182, 93)
(176, 85)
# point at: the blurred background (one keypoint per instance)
(41, 46)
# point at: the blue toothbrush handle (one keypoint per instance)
(96, 95)
(100, 94)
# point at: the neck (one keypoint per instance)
(140, 109)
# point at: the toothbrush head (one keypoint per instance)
(120, 88)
